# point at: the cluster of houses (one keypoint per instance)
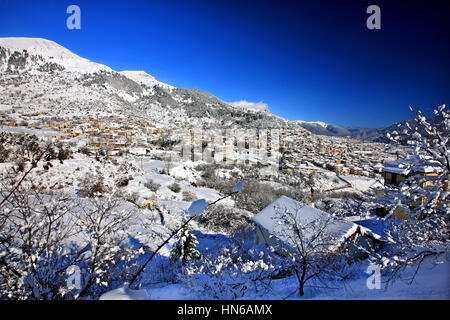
(112, 135)
(291, 150)
(288, 149)
(341, 155)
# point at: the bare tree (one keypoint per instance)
(103, 223)
(308, 245)
(33, 259)
(42, 236)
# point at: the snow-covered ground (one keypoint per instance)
(431, 282)
(363, 184)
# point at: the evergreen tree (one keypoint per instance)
(186, 247)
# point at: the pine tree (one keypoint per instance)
(186, 246)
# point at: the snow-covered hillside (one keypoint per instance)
(327, 129)
(144, 78)
(53, 52)
(47, 76)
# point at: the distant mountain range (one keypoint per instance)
(372, 134)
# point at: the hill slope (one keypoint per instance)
(38, 75)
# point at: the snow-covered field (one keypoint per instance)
(432, 282)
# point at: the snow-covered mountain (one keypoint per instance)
(326, 129)
(50, 52)
(38, 75)
(319, 123)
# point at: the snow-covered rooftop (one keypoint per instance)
(415, 163)
(336, 230)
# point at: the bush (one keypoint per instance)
(63, 153)
(20, 165)
(224, 219)
(123, 181)
(175, 187)
(227, 274)
(153, 186)
(93, 185)
(84, 150)
(189, 196)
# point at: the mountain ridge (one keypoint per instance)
(328, 129)
(49, 77)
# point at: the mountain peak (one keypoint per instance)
(53, 52)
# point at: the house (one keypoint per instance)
(138, 151)
(340, 233)
(114, 151)
(148, 204)
(395, 172)
(422, 169)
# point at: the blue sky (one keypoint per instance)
(309, 60)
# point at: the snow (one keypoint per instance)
(339, 230)
(54, 53)
(255, 106)
(171, 292)
(320, 123)
(125, 293)
(144, 78)
(31, 131)
(197, 207)
(363, 184)
(412, 164)
(237, 187)
(138, 151)
(430, 283)
(145, 228)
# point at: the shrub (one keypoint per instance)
(153, 186)
(224, 219)
(20, 165)
(123, 181)
(63, 153)
(189, 196)
(84, 150)
(93, 185)
(175, 187)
